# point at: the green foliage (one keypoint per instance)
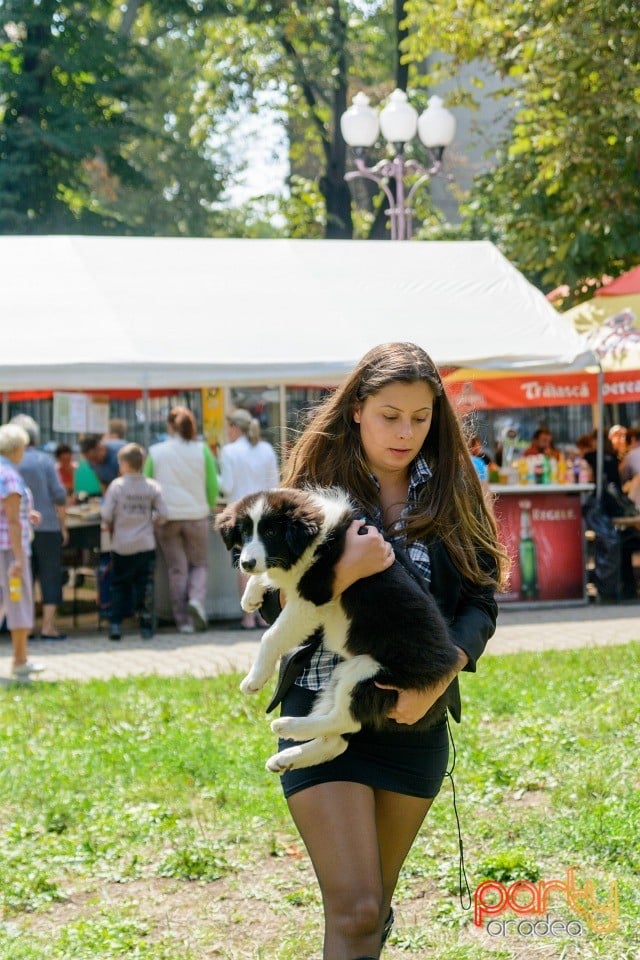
(507, 866)
(98, 122)
(562, 198)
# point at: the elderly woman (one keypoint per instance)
(15, 549)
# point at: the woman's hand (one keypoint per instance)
(412, 705)
(364, 554)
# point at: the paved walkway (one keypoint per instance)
(88, 653)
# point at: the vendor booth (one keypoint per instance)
(152, 314)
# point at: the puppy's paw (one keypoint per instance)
(251, 604)
(253, 596)
(287, 727)
(285, 760)
(251, 684)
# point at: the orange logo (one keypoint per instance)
(526, 899)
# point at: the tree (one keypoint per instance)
(98, 126)
(314, 54)
(562, 199)
(64, 113)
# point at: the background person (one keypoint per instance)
(102, 457)
(117, 430)
(630, 466)
(188, 477)
(542, 443)
(247, 465)
(132, 505)
(618, 440)
(389, 436)
(65, 468)
(15, 548)
(49, 499)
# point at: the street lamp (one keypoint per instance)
(398, 122)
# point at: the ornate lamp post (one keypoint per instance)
(398, 122)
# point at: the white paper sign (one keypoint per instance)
(70, 412)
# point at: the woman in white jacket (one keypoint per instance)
(247, 465)
(186, 471)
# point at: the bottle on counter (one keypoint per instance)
(562, 468)
(584, 474)
(546, 470)
(523, 471)
(538, 469)
(527, 555)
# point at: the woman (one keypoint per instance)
(186, 471)
(15, 549)
(66, 468)
(38, 471)
(390, 437)
(247, 465)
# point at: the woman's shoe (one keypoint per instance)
(388, 926)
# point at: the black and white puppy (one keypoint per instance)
(386, 627)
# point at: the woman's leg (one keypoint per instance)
(195, 541)
(169, 537)
(338, 824)
(398, 819)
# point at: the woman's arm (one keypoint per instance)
(11, 506)
(412, 705)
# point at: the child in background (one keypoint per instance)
(132, 504)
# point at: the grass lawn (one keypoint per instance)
(136, 819)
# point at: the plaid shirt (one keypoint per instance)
(12, 482)
(317, 674)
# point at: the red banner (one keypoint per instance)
(541, 390)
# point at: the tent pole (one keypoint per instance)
(146, 423)
(600, 447)
(283, 423)
(5, 406)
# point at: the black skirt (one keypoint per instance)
(409, 762)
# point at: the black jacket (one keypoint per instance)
(470, 610)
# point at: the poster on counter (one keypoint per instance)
(543, 537)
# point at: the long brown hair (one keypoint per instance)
(452, 506)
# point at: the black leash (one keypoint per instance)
(462, 874)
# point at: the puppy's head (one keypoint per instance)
(271, 530)
(231, 524)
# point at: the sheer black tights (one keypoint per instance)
(358, 839)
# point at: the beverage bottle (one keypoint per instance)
(523, 471)
(538, 469)
(527, 555)
(546, 470)
(576, 469)
(562, 469)
(553, 466)
(15, 589)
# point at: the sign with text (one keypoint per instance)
(542, 533)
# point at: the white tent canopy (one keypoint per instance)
(99, 313)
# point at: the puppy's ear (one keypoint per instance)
(299, 532)
(228, 526)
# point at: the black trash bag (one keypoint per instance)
(615, 503)
(613, 568)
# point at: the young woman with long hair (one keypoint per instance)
(390, 437)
